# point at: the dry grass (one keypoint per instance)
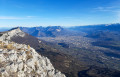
(0, 75)
(29, 57)
(9, 46)
(28, 46)
(12, 43)
(24, 49)
(28, 52)
(2, 44)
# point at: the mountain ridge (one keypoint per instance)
(65, 63)
(21, 60)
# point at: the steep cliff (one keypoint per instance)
(20, 60)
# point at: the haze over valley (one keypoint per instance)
(96, 45)
(59, 38)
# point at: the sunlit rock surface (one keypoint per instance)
(20, 60)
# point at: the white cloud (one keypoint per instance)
(118, 16)
(13, 17)
(9, 17)
(114, 10)
(30, 16)
(106, 9)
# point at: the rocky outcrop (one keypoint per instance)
(6, 36)
(20, 60)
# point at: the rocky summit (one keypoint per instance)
(20, 60)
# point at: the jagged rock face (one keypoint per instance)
(20, 60)
(8, 35)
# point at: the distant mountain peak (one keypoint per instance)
(50, 31)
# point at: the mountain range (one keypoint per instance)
(81, 51)
(94, 45)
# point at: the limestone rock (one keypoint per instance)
(18, 60)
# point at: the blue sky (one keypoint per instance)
(58, 12)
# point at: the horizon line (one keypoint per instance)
(57, 25)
